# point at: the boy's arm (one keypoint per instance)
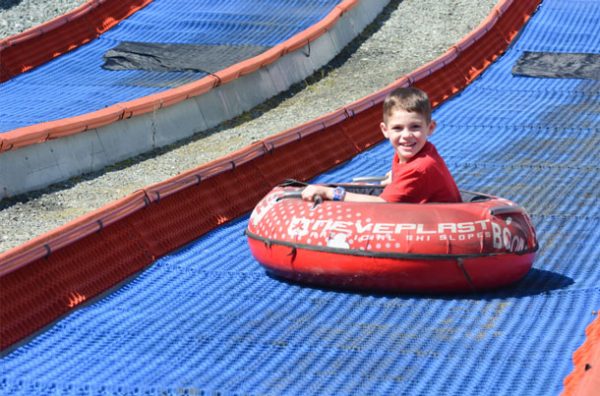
(324, 192)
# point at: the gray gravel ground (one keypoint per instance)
(408, 34)
(17, 16)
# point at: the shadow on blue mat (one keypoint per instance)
(536, 282)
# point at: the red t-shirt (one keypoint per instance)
(424, 178)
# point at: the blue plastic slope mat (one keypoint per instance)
(75, 83)
(208, 320)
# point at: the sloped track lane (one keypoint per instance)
(83, 117)
(75, 83)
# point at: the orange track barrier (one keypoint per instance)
(40, 44)
(584, 380)
(48, 276)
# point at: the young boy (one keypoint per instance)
(419, 174)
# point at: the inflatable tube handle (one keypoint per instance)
(298, 195)
(504, 210)
(290, 195)
(368, 179)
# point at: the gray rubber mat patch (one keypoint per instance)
(177, 57)
(558, 65)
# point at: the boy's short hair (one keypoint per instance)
(409, 99)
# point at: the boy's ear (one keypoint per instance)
(432, 126)
(383, 128)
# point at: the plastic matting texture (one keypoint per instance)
(207, 320)
(442, 78)
(21, 291)
(84, 24)
(308, 156)
(165, 225)
(363, 128)
(75, 83)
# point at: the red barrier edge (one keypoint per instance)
(70, 233)
(584, 380)
(50, 275)
(40, 44)
(41, 132)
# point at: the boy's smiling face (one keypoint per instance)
(407, 132)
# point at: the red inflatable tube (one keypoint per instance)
(484, 243)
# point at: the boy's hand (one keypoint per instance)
(312, 190)
(388, 179)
